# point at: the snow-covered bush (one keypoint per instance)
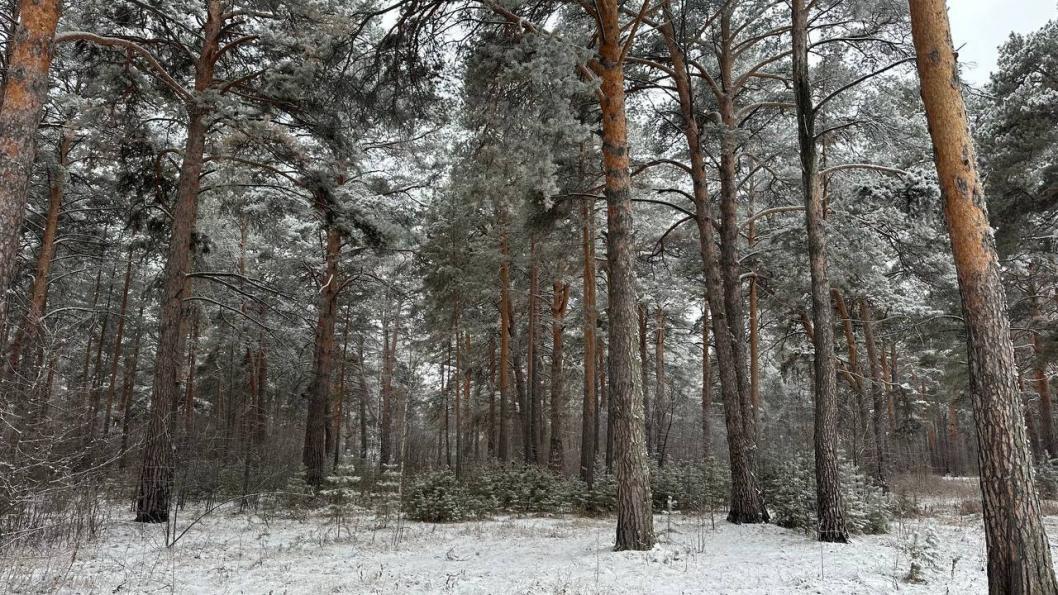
(440, 497)
(339, 489)
(601, 499)
(790, 491)
(525, 489)
(920, 546)
(691, 486)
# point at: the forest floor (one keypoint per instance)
(229, 552)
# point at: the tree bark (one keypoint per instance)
(314, 455)
(156, 477)
(829, 507)
(119, 337)
(559, 300)
(747, 506)
(21, 353)
(635, 522)
(878, 395)
(707, 388)
(505, 337)
(647, 405)
(589, 411)
(1019, 557)
(24, 92)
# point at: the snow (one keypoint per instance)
(229, 552)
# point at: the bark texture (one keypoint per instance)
(1019, 556)
(635, 522)
(829, 507)
(24, 91)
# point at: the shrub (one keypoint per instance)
(439, 497)
(790, 489)
(1047, 479)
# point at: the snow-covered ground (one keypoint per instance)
(238, 553)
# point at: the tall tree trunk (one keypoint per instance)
(1039, 369)
(635, 523)
(340, 415)
(156, 477)
(505, 338)
(1019, 557)
(559, 300)
(314, 455)
(659, 384)
(363, 397)
(829, 507)
(854, 373)
(127, 387)
(707, 388)
(602, 367)
(747, 506)
(119, 337)
(95, 391)
(647, 405)
(20, 369)
(390, 333)
(878, 395)
(25, 89)
(490, 431)
(531, 415)
(729, 228)
(589, 411)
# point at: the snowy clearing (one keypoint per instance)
(237, 553)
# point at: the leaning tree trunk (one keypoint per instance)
(829, 508)
(314, 454)
(1019, 557)
(747, 506)
(24, 347)
(24, 92)
(635, 523)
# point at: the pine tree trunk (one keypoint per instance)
(560, 297)
(314, 455)
(635, 523)
(854, 373)
(119, 337)
(362, 400)
(24, 92)
(156, 478)
(1043, 389)
(21, 353)
(505, 339)
(707, 388)
(1019, 557)
(878, 395)
(659, 385)
(128, 385)
(647, 405)
(490, 430)
(829, 507)
(747, 506)
(589, 411)
(533, 413)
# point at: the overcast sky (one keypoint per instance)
(980, 26)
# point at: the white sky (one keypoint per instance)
(981, 26)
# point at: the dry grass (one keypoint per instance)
(932, 495)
